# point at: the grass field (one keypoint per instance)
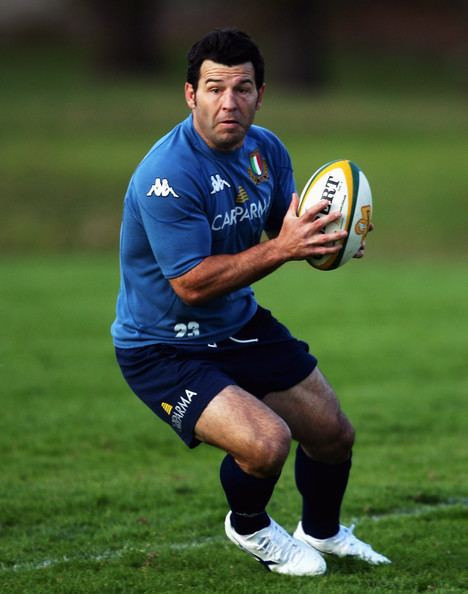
(99, 497)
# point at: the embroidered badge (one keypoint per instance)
(258, 169)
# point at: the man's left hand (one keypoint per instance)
(362, 247)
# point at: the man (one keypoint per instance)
(190, 338)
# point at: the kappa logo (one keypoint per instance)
(218, 183)
(162, 188)
(181, 408)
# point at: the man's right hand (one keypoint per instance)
(303, 237)
(299, 238)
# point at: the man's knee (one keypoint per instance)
(266, 457)
(336, 443)
(240, 424)
(343, 445)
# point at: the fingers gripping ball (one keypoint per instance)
(346, 187)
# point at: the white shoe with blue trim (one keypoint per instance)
(277, 550)
(343, 544)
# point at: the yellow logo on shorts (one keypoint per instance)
(167, 407)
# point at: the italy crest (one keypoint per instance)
(258, 169)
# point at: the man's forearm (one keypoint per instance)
(221, 274)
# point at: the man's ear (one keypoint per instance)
(261, 92)
(190, 97)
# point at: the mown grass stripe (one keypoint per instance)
(113, 555)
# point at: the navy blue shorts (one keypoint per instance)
(177, 383)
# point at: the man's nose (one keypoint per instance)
(229, 100)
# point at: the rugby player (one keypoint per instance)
(190, 338)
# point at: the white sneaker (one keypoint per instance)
(343, 544)
(277, 550)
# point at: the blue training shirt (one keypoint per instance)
(185, 202)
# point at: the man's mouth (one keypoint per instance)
(229, 123)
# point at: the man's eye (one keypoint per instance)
(214, 90)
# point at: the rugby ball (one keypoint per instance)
(346, 187)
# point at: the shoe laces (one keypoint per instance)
(345, 535)
(278, 544)
(346, 538)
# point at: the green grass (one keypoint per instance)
(98, 496)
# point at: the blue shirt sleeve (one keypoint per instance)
(174, 220)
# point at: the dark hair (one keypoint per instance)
(225, 46)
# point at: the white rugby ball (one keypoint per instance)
(346, 187)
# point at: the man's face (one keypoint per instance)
(224, 104)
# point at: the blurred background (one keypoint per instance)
(88, 85)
